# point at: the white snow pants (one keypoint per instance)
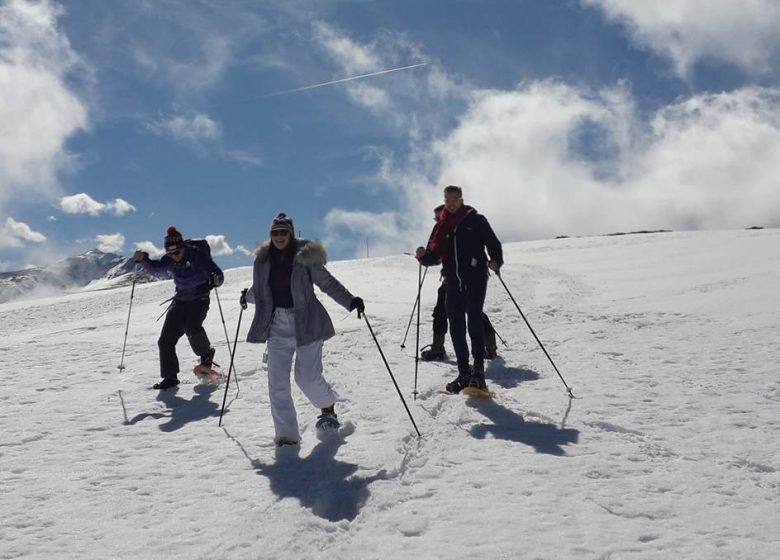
(308, 374)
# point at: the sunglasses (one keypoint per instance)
(280, 233)
(172, 250)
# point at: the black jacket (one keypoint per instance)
(466, 259)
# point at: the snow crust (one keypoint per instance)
(669, 341)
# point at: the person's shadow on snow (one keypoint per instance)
(508, 425)
(320, 482)
(507, 377)
(182, 411)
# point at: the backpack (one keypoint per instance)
(200, 245)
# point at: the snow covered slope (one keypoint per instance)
(91, 270)
(669, 340)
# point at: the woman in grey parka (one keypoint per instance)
(291, 320)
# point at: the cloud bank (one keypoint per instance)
(687, 31)
(38, 109)
(553, 159)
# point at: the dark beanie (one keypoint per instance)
(173, 238)
(283, 223)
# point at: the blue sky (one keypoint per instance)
(572, 117)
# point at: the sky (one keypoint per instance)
(670, 450)
(573, 117)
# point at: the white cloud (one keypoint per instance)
(426, 87)
(38, 109)
(243, 250)
(82, 203)
(353, 57)
(111, 243)
(743, 33)
(149, 247)
(16, 234)
(219, 246)
(195, 127)
(120, 207)
(550, 159)
(203, 133)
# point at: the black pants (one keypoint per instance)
(462, 304)
(184, 317)
(440, 314)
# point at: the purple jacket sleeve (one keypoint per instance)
(154, 265)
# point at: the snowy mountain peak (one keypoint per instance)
(69, 273)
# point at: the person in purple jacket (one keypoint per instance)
(194, 274)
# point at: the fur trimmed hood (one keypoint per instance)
(309, 253)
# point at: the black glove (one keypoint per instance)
(242, 299)
(215, 280)
(357, 303)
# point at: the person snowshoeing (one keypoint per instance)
(290, 318)
(458, 241)
(194, 274)
(435, 351)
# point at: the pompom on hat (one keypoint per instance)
(173, 238)
(282, 222)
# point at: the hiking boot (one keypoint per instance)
(435, 351)
(490, 346)
(433, 354)
(459, 382)
(477, 380)
(208, 358)
(166, 383)
(328, 418)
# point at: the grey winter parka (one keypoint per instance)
(312, 321)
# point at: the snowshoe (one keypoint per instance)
(208, 375)
(477, 386)
(328, 420)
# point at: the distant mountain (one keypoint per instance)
(93, 269)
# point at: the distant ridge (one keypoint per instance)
(70, 273)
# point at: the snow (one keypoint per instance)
(669, 341)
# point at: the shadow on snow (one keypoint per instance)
(508, 377)
(508, 425)
(182, 411)
(319, 481)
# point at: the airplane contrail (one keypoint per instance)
(344, 80)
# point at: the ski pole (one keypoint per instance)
(499, 336)
(227, 339)
(121, 365)
(232, 355)
(417, 342)
(416, 304)
(391, 374)
(536, 337)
